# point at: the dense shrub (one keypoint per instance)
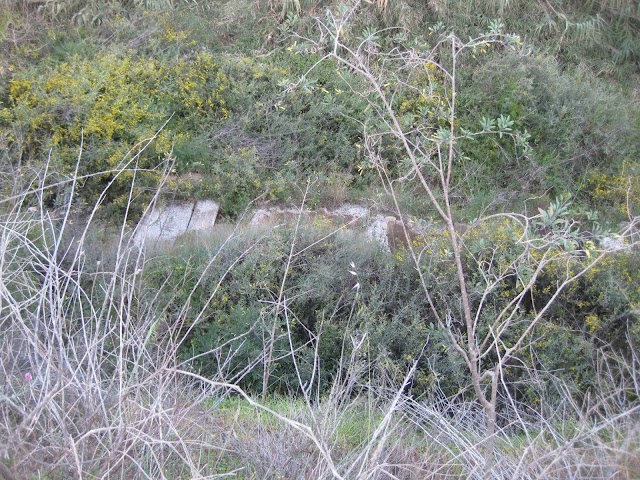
(312, 127)
(321, 300)
(388, 305)
(578, 126)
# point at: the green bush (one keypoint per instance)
(604, 304)
(312, 128)
(390, 307)
(576, 124)
(321, 300)
(602, 34)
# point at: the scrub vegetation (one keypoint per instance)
(500, 341)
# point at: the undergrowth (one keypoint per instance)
(304, 352)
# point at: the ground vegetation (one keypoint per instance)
(499, 342)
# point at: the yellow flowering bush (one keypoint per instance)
(112, 102)
(618, 191)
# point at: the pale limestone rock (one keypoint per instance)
(163, 225)
(377, 231)
(204, 215)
